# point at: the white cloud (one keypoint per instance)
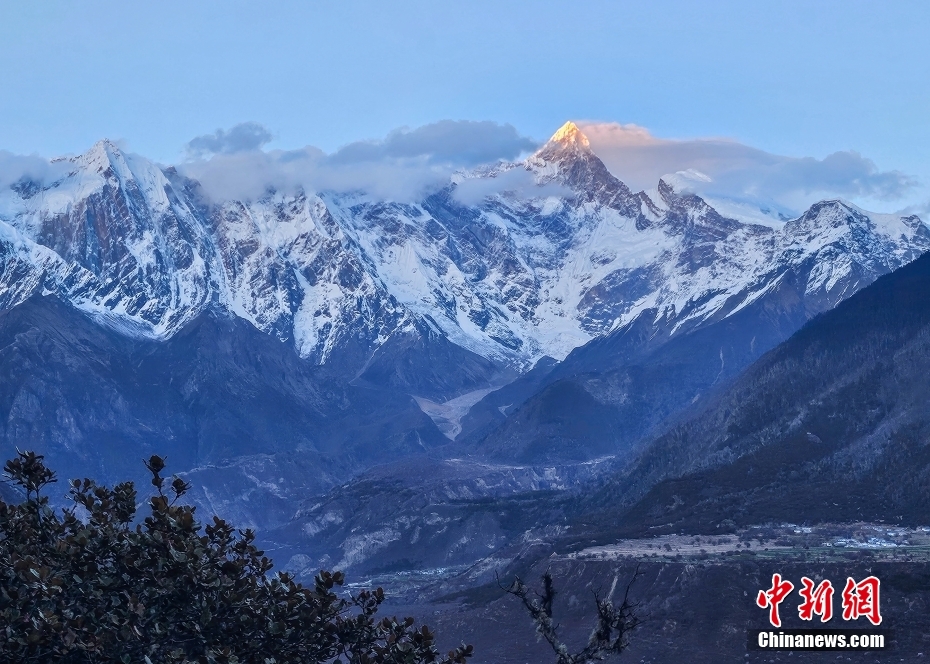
(452, 142)
(249, 175)
(517, 182)
(403, 166)
(25, 168)
(242, 137)
(735, 170)
(921, 209)
(409, 163)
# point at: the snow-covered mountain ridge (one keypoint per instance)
(344, 278)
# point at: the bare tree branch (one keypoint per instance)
(611, 631)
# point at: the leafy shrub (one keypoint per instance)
(91, 585)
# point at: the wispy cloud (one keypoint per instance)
(408, 163)
(452, 142)
(517, 182)
(402, 166)
(250, 175)
(921, 209)
(15, 168)
(736, 170)
(243, 137)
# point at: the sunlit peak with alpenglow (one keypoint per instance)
(570, 134)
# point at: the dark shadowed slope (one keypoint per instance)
(833, 424)
(219, 394)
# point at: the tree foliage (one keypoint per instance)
(91, 584)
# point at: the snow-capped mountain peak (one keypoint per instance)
(102, 151)
(570, 134)
(567, 146)
(103, 157)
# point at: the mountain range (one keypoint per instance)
(829, 427)
(274, 349)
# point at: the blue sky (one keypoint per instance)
(791, 79)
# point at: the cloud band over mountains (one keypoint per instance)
(406, 164)
(403, 166)
(736, 170)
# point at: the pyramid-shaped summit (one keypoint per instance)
(101, 155)
(568, 144)
(568, 158)
(570, 134)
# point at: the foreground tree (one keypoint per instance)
(611, 632)
(87, 585)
